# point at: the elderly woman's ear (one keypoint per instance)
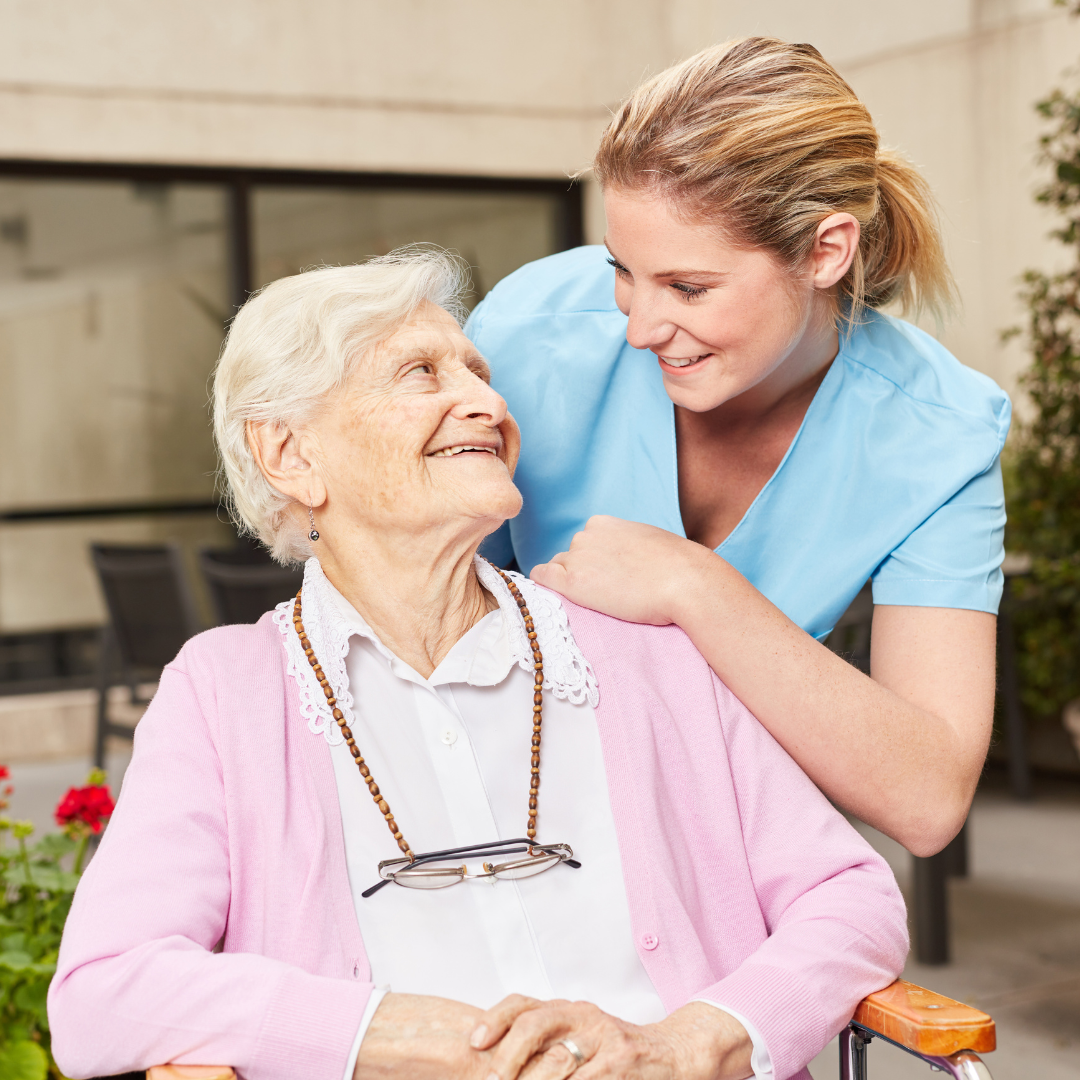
(283, 456)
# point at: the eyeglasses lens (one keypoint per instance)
(429, 877)
(524, 868)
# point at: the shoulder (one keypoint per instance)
(888, 353)
(551, 332)
(575, 281)
(221, 681)
(228, 652)
(655, 654)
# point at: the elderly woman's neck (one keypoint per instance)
(418, 604)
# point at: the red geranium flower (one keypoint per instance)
(88, 806)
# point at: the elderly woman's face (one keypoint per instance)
(417, 437)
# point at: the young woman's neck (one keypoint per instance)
(419, 597)
(794, 380)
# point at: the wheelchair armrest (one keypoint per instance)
(924, 1022)
(190, 1072)
(910, 1016)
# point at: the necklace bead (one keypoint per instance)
(350, 741)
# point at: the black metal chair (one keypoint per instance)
(850, 637)
(244, 584)
(151, 615)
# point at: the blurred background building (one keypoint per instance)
(157, 162)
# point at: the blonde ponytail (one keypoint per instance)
(901, 258)
(764, 140)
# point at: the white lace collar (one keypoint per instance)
(567, 674)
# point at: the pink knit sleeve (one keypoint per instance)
(836, 920)
(137, 982)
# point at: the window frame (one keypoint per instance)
(238, 182)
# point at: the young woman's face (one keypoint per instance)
(719, 318)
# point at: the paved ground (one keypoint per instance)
(1016, 937)
(1016, 923)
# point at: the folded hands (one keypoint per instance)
(522, 1039)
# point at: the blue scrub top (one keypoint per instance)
(894, 473)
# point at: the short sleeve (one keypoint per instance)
(498, 548)
(953, 559)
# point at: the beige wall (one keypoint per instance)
(513, 87)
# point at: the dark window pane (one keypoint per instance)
(112, 311)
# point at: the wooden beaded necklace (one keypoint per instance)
(350, 741)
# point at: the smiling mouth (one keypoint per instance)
(453, 451)
(684, 361)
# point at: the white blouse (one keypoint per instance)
(451, 755)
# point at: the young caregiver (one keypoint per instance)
(721, 429)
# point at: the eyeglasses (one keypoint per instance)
(419, 873)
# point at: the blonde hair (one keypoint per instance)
(296, 341)
(765, 140)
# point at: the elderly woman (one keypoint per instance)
(333, 855)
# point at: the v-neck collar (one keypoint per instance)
(774, 480)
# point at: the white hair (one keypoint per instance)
(295, 342)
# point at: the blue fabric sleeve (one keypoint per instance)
(498, 548)
(953, 559)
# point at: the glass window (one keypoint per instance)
(114, 297)
(297, 228)
(112, 311)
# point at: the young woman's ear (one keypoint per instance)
(835, 245)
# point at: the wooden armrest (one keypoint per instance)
(190, 1072)
(926, 1022)
(919, 1019)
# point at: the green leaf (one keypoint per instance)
(1068, 173)
(31, 997)
(45, 878)
(15, 960)
(23, 1060)
(54, 846)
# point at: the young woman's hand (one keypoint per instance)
(902, 750)
(625, 569)
(696, 1042)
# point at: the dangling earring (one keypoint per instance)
(314, 534)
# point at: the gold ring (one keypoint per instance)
(579, 1057)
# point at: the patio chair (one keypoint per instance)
(151, 615)
(946, 1034)
(244, 584)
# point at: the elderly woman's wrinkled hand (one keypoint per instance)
(526, 1037)
(630, 571)
(430, 1034)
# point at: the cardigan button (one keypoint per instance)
(649, 941)
(356, 971)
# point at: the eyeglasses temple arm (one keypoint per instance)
(375, 888)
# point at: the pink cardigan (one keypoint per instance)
(744, 884)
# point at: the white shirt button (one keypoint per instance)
(449, 736)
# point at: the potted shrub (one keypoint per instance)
(37, 882)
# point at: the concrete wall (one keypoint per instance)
(498, 87)
(510, 87)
